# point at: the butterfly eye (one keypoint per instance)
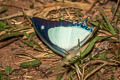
(42, 27)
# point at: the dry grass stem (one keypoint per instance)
(104, 63)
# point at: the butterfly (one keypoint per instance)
(62, 36)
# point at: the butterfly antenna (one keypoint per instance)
(79, 45)
(84, 21)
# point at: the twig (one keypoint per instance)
(28, 12)
(98, 68)
(3, 32)
(8, 42)
(48, 8)
(115, 61)
(9, 5)
(118, 2)
(68, 13)
(78, 5)
(26, 16)
(78, 71)
(12, 16)
(93, 71)
(92, 6)
(46, 11)
(83, 73)
(10, 35)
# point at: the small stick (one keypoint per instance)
(26, 16)
(92, 6)
(8, 42)
(12, 16)
(93, 71)
(28, 12)
(68, 13)
(98, 68)
(77, 71)
(83, 73)
(118, 2)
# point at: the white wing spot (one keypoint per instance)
(42, 27)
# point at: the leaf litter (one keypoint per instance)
(19, 40)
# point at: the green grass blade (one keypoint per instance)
(1, 76)
(91, 45)
(94, 23)
(110, 27)
(3, 25)
(97, 24)
(71, 78)
(25, 34)
(10, 35)
(34, 63)
(60, 76)
(8, 70)
(103, 56)
(25, 65)
(3, 9)
(105, 27)
(30, 42)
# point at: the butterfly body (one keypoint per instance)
(62, 36)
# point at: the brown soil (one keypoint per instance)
(10, 55)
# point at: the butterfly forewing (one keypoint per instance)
(61, 36)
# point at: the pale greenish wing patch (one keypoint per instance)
(67, 37)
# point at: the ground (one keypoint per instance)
(15, 50)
